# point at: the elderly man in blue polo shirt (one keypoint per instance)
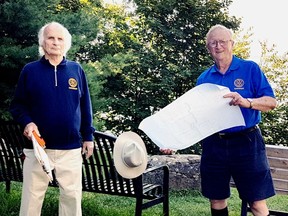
(237, 152)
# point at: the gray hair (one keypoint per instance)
(218, 26)
(67, 38)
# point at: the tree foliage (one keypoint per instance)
(136, 61)
(18, 42)
(275, 123)
(177, 30)
(167, 41)
(19, 26)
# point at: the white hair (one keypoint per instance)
(67, 38)
(218, 26)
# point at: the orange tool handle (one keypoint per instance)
(39, 139)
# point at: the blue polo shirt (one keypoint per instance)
(244, 77)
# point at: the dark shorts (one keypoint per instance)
(241, 156)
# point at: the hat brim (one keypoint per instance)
(121, 167)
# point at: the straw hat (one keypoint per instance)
(130, 155)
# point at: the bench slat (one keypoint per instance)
(279, 173)
(278, 162)
(277, 151)
(281, 185)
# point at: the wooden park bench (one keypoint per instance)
(99, 173)
(278, 160)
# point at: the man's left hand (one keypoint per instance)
(87, 149)
(237, 100)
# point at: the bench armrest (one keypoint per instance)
(154, 168)
(165, 179)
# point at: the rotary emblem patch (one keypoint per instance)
(72, 83)
(239, 83)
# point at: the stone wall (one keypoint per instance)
(184, 170)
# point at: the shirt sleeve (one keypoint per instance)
(87, 128)
(19, 104)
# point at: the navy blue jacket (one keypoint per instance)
(57, 100)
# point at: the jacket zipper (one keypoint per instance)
(55, 75)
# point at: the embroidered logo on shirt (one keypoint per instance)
(72, 83)
(239, 83)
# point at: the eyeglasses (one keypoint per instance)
(220, 42)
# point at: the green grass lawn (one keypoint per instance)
(182, 203)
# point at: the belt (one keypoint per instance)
(238, 133)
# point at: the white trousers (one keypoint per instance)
(67, 165)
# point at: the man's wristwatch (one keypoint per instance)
(250, 101)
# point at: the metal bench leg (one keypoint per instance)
(166, 206)
(8, 186)
(138, 208)
(244, 208)
(166, 191)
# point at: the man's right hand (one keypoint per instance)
(167, 151)
(29, 128)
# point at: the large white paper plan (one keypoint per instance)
(200, 112)
(42, 158)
